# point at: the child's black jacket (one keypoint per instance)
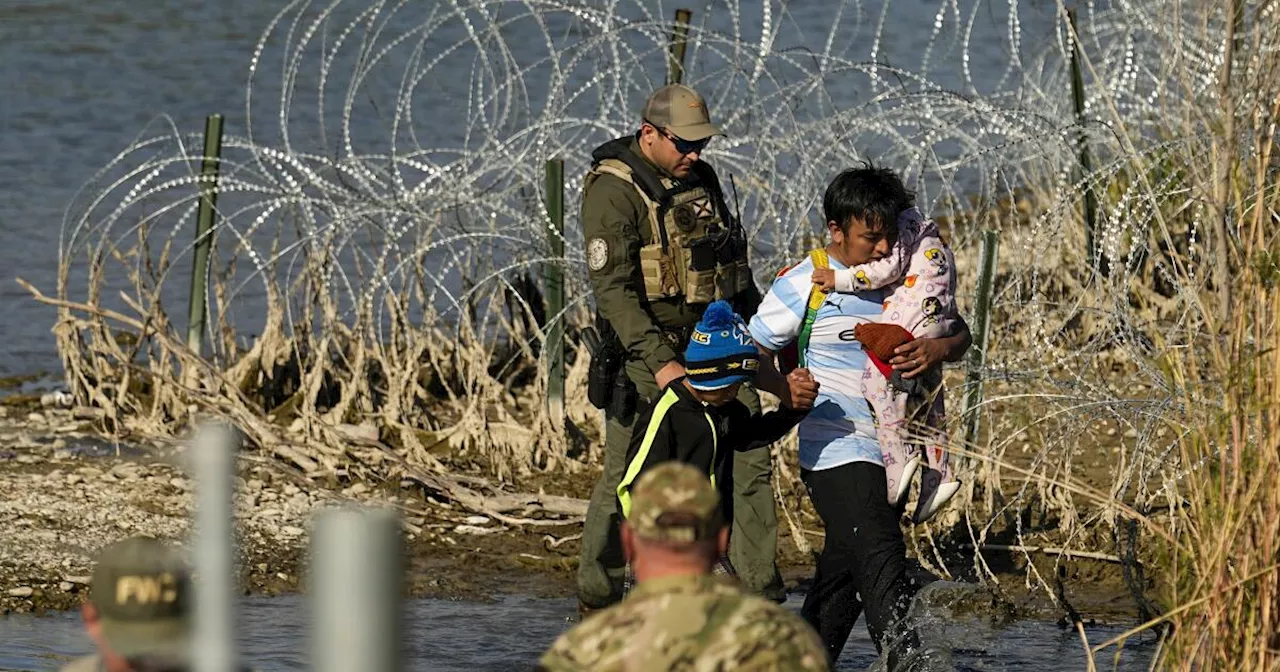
(680, 427)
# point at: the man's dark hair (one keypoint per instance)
(874, 195)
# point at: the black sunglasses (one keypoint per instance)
(683, 146)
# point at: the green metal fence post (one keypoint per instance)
(981, 332)
(554, 277)
(675, 52)
(204, 232)
(1096, 259)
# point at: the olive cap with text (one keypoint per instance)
(141, 588)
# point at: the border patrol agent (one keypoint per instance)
(661, 244)
(680, 617)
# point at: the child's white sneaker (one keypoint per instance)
(900, 484)
(933, 495)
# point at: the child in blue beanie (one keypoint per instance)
(698, 418)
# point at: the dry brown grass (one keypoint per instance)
(1130, 416)
(1163, 374)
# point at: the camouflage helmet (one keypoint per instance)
(675, 502)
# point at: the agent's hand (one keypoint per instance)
(803, 390)
(918, 356)
(669, 372)
(825, 278)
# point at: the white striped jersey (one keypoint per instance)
(840, 429)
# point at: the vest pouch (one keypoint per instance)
(659, 271)
(732, 279)
(733, 275)
(701, 273)
(745, 279)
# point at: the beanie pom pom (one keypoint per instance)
(720, 351)
(719, 315)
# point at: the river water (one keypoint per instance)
(511, 632)
(83, 79)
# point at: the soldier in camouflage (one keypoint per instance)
(661, 244)
(680, 617)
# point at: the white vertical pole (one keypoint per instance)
(213, 459)
(356, 560)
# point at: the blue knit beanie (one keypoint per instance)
(720, 351)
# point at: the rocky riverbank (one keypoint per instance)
(65, 492)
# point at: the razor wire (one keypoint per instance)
(392, 155)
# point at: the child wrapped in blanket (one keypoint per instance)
(920, 274)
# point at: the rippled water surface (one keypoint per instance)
(510, 633)
(83, 79)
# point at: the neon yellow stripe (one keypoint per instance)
(633, 470)
(715, 447)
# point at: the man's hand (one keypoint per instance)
(825, 278)
(920, 355)
(670, 371)
(803, 390)
(797, 390)
(916, 357)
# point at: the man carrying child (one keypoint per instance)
(863, 560)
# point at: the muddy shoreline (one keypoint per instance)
(65, 492)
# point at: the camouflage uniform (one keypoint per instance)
(685, 622)
(689, 623)
(654, 329)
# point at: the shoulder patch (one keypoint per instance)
(597, 253)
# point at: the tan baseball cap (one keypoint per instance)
(141, 588)
(680, 110)
(674, 501)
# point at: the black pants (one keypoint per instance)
(863, 562)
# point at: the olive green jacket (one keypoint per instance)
(613, 212)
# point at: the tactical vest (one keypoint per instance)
(697, 249)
